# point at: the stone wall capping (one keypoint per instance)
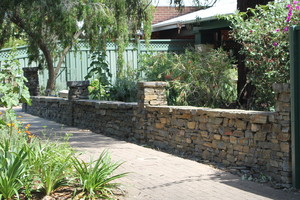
(152, 84)
(78, 83)
(48, 98)
(85, 102)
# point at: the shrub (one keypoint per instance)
(197, 79)
(263, 33)
(125, 87)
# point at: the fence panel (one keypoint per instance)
(76, 63)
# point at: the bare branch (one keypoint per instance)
(66, 50)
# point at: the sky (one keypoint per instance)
(187, 2)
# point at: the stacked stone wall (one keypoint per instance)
(110, 118)
(253, 139)
(234, 138)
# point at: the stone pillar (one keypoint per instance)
(78, 89)
(152, 94)
(31, 73)
(283, 98)
(283, 109)
(149, 94)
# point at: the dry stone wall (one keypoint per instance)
(253, 139)
(31, 73)
(111, 118)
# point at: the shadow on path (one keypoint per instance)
(158, 175)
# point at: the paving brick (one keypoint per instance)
(157, 175)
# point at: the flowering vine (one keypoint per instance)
(262, 32)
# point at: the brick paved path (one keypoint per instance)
(161, 176)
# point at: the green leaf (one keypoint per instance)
(2, 122)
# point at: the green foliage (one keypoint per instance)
(263, 34)
(99, 70)
(198, 79)
(14, 42)
(12, 169)
(12, 87)
(13, 140)
(98, 91)
(101, 88)
(96, 177)
(50, 164)
(125, 87)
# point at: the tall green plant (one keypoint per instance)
(100, 75)
(12, 88)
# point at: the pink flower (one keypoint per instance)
(275, 44)
(277, 30)
(296, 2)
(289, 6)
(250, 31)
(286, 29)
(297, 7)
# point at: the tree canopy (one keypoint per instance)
(54, 26)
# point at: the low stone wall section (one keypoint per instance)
(110, 118)
(253, 139)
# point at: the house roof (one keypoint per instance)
(222, 7)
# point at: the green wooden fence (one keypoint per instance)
(75, 66)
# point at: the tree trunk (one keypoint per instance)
(52, 75)
(16, 19)
(51, 80)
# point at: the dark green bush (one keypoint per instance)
(197, 79)
(124, 89)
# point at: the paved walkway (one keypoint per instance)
(157, 175)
